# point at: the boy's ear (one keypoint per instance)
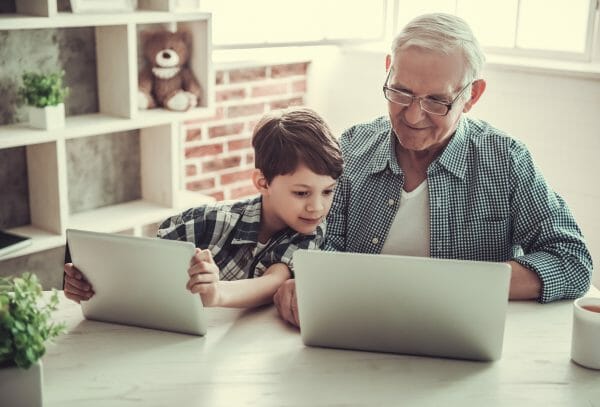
(260, 181)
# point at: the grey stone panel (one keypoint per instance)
(103, 170)
(47, 265)
(14, 191)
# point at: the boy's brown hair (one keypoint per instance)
(285, 138)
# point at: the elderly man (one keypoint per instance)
(430, 181)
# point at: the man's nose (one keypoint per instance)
(413, 112)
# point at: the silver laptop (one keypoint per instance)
(138, 281)
(401, 304)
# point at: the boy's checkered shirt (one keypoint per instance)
(230, 232)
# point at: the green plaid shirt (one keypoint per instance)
(488, 202)
(230, 232)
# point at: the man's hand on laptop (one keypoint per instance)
(204, 278)
(76, 287)
(285, 301)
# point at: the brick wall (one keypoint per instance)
(218, 150)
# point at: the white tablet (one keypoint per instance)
(138, 281)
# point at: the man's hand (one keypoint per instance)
(76, 288)
(204, 278)
(285, 301)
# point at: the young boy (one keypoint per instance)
(244, 249)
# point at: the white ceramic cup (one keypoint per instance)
(585, 343)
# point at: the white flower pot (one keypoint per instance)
(49, 117)
(21, 387)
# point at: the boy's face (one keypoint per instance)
(300, 200)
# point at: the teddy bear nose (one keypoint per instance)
(166, 55)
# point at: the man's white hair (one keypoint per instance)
(445, 33)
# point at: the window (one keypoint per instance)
(255, 23)
(556, 29)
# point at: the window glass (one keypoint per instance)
(264, 22)
(558, 25)
(493, 22)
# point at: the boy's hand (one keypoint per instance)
(76, 287)
(204, 278)
(285, 301)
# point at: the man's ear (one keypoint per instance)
(476, 91)
(260, 181)
(388, 62)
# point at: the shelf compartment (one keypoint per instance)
(129, 215)
(67, 19)
(40, 240)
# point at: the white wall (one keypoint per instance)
(557, 116)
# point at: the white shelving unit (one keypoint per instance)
(117, 43)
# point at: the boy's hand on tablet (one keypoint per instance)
(204, 278)
(285, 301)
(76, 287)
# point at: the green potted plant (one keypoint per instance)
(45, 95)
(25, 328)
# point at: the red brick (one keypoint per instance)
(219, 196)
(200, 185)
(239, 144)
(230, 94)
(247, 74)
(221, 163)
(203, 151)
(236, 176)
(268, 90)
(243, 192)
(193, 134)
(219, 77)
(280, 71)
(245, 110)
(225, 130)
(250, 158)
(191, 169)
(282, 104)
(299, 86)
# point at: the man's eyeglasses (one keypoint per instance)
(427, 104)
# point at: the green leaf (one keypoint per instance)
(42, 90)
(25, 320)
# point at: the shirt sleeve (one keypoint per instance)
(544, 227)
(186, 226)
(284, 251)
(337, 219)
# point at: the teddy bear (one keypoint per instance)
(166, 80)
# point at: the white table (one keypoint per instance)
(252, 358)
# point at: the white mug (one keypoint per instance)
(585, 344)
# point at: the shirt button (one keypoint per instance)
(391, 202)
(375, 240)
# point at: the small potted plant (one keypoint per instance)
(25, 327)
(44, 94)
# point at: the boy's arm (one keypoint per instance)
(254, 291)
(204, 280)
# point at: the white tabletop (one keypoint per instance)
(252, 358)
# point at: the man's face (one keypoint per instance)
(430, 75)
(300, 200)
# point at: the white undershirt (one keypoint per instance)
(409, 233)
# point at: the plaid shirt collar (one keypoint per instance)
(453, 158)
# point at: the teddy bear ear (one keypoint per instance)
(186, 37)
(145, 37)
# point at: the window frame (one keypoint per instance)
(591, 51)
